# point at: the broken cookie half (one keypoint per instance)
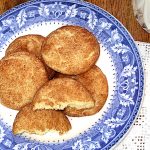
(40, 121)
(60, 93)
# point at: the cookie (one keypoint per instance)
(60, 93)
(40, 121)
(21, 75)
(29, 43)
(70, 50)
(96, 83)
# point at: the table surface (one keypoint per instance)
(121, 9)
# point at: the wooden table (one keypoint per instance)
(121, 9)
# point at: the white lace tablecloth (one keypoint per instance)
(138, 137)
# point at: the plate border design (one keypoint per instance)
(118, 38)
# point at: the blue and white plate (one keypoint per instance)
(119, 60)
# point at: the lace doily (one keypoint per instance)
(138, 136)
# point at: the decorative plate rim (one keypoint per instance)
(124, 31)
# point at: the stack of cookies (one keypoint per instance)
(47, 78)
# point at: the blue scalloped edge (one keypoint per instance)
(124, 32)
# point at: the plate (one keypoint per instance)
(119, 60)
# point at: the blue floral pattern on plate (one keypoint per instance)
(118, 42)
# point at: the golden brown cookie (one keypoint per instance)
(21, 75)
(40, 121)
(96, 83)
(29, 43)
(70, 50)
(60, 93)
